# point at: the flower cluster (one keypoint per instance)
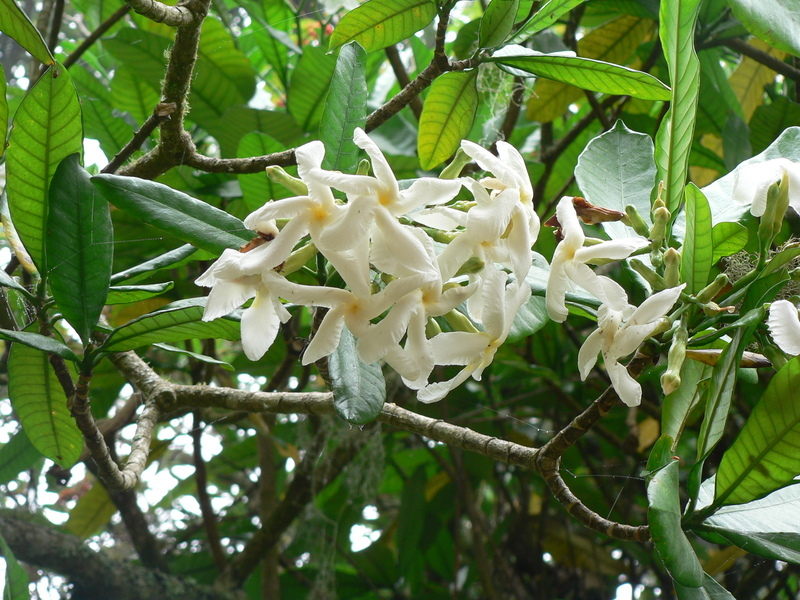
(398, 279)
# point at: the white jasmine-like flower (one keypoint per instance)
(619, 333)
(569, 263)
(753, 180)
(784, 326)
(232, 286)
(476, 350)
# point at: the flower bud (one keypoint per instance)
(473, 265)
(658, 232)
(293, 184)
(654, 279)
(298, 258)
(460, 322)
(712, 289)
(633, 219)
(432, 328)
(363, 167)
(453, 170)
(774, 211)
(671, 379)
(672, 267)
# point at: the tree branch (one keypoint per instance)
(762, 57)
(185, 14)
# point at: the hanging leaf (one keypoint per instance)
(173, 258)
(17, 455)
(765, 456)
(80, 246)
(91, 512)
(195, 355)
(550, 12)
(380, 23)
(664, 518)
(697, 253)
(359, 390)
(40, 403)
(310, 81)
(16, 579)
(776, 22)
(617, 169)
(345, 109)
(588, 74)
(674, 136)
(47, 129)
(39, 342)
(176, 213)
(447, 116)
(16, 24)
(728, 238)
(497, 22)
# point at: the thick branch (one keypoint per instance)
(183, 15)
(766, 59)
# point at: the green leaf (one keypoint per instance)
(698, 250)
(447, 116)
(3, 112)
(40, 403)
(710, 590)
(16, 579)
(133, 93)
(770, 120)
(550, 12)
(776, 22)
(195, 355)
(176, 213)
(46, 129)
(679, 404)
(661, 454)
(359, 390)
(257, 188)
(17, 455)
(38, 342)
(162, 261)
(100, 116)
(674, 136)
(142, 52)
(91, 513)
(8, 281)
(497, 22)
(16, 24)
(380, 23)
(765, 456)
(310, 81)
(175, 322)
(345, 109)
(240, 120)
(530, 318)
(587, 73)
(80, 246)
(617, 169)
(411, 519)
(728, 238)
(126, 294)
(664, 518)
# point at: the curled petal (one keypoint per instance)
(587, 355)
(227, 296)
(784, 326)
(627, 388)
(260, 325)
(326, 339)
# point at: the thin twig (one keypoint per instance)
(402, 78)
(206, 510)
(96, 35)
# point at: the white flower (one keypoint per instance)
(232, 286)
(784, 326)
(753, 180)
(569, 263)
(476, 350)
(618, 334)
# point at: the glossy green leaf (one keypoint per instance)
(679, 404)
(380, 23)
(126, 294)
(497, 22)
(698, 246)
(91, 512)
(3, 112)
(310, 81)
(40, 403)
(661, 453)
(173, 258)
(132, 93)
(47, 129)
(530, 318)
(142, 52)
(16, 579)
(195, 355)
(615, 170)
(674, 137)
(274, 45)
(710, 590)
(175, 322)
(550, 12)
(100, 116)
(187, 218)
(8, 281)
(664, 518)
(589, 74)
(345, 109)
(447, 116)
(776, 22)
(16, 24)
(257, 188)
(766, 454)
(38, 342)
(359, 390)
(770, 120)
(728, 239)
(17, 455)
(80, 246)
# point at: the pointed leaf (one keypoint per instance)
(47, 129)
(187, 218)
(16, 24)
(40, 403)
(674, 137)
(447, 116)
(39, 342)
(127, 294)
(550, 12)
(589, 74)
(100, 116)
(664, 518)
(770, 120)
(679, 404)
(310, 81)
(7, 280)
(195, 355)
(345, 109)
(359, 390)
(776, 22)
(728, 238)
(16, 579)
(175, 322)
(766, 454)
(617, 169)
(173, 258)
(240, 120)
(380, 23)
(3, 112)
(698, 252)
(497, 22)
(132, 93)
(16, 456)
(80, 246)
(91, 513)
(530, 318)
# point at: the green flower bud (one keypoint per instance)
(453, 170)
(774, 211)
(671, 379)
(363, 167)
(654, 279)
(432, 328)
(473, 265)
(661, 218)
(460, 322)
(672, 267)
(293, 184)
(712, 289)
(298, 258)
(633, 219)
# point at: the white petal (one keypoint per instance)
(587, 355)
(276, 251)
(457, 252)
(784, 326)
(264, 218)
(227, 296)
(326, 339)
(627, 388)
(378, 339)
(458, 347)
(309, 156)
(752, 182)
(401, 250)
(354, 225)
(570, 227)
(489, 162)
(656, 306)
(383, 172)
(260, 325)
(353, 266)
(426, 191)
(436, 391)
(612, 250)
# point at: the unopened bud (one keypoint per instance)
(633, 219)
(432, 328)
(453, 170)
(712, 289)
(654, 279)
(661, 218)
(293, 184)
(671, 379)
(473, 265)
(672, 267)
(298, 258)
(363, 167)
(460, 322)
(774, 211)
